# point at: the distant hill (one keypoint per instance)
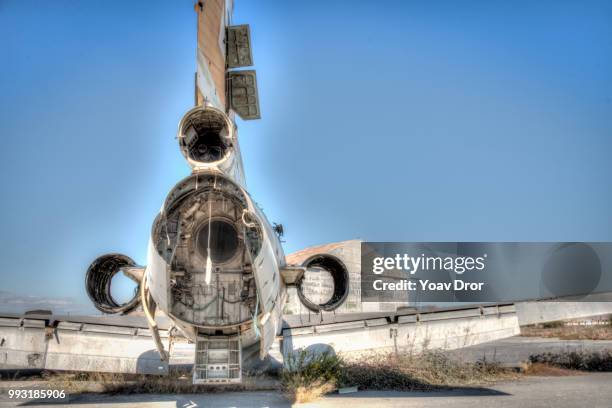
(14, 303)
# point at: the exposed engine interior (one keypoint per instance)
(205, 220)
(205, 135)
(330, 266)
(98, 283)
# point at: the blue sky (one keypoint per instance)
(395, 121)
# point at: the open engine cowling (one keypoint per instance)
(205, 135)
(209, 240)
(340, 278)
(98, 283)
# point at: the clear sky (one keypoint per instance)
(386, 121)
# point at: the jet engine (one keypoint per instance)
(99, 279)
(337, 277)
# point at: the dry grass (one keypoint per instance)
(547, 370)
(311, 377)
(425, 371)
(576, 360)
(78, 382)
(569, 332)
(307, 376)
(174, 383)
(309, 393)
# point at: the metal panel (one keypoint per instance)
(94, 328)
(103, 352)
(494, 310)
(451, 314)
(10, 322)
(297, 331)
(36, 324)
(243, 96)
(212, 16)
(218, 359)
(540, 312)
(407, 319)
(22, 347)
(340, 326)
(376, 322)
(454, 330)
(239, 47)
(69, 326)
(77, 346)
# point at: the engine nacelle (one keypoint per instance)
(208, 140)
(205, 136)
(325, 263)
(99, 278)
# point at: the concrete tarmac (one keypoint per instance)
(587, 390)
